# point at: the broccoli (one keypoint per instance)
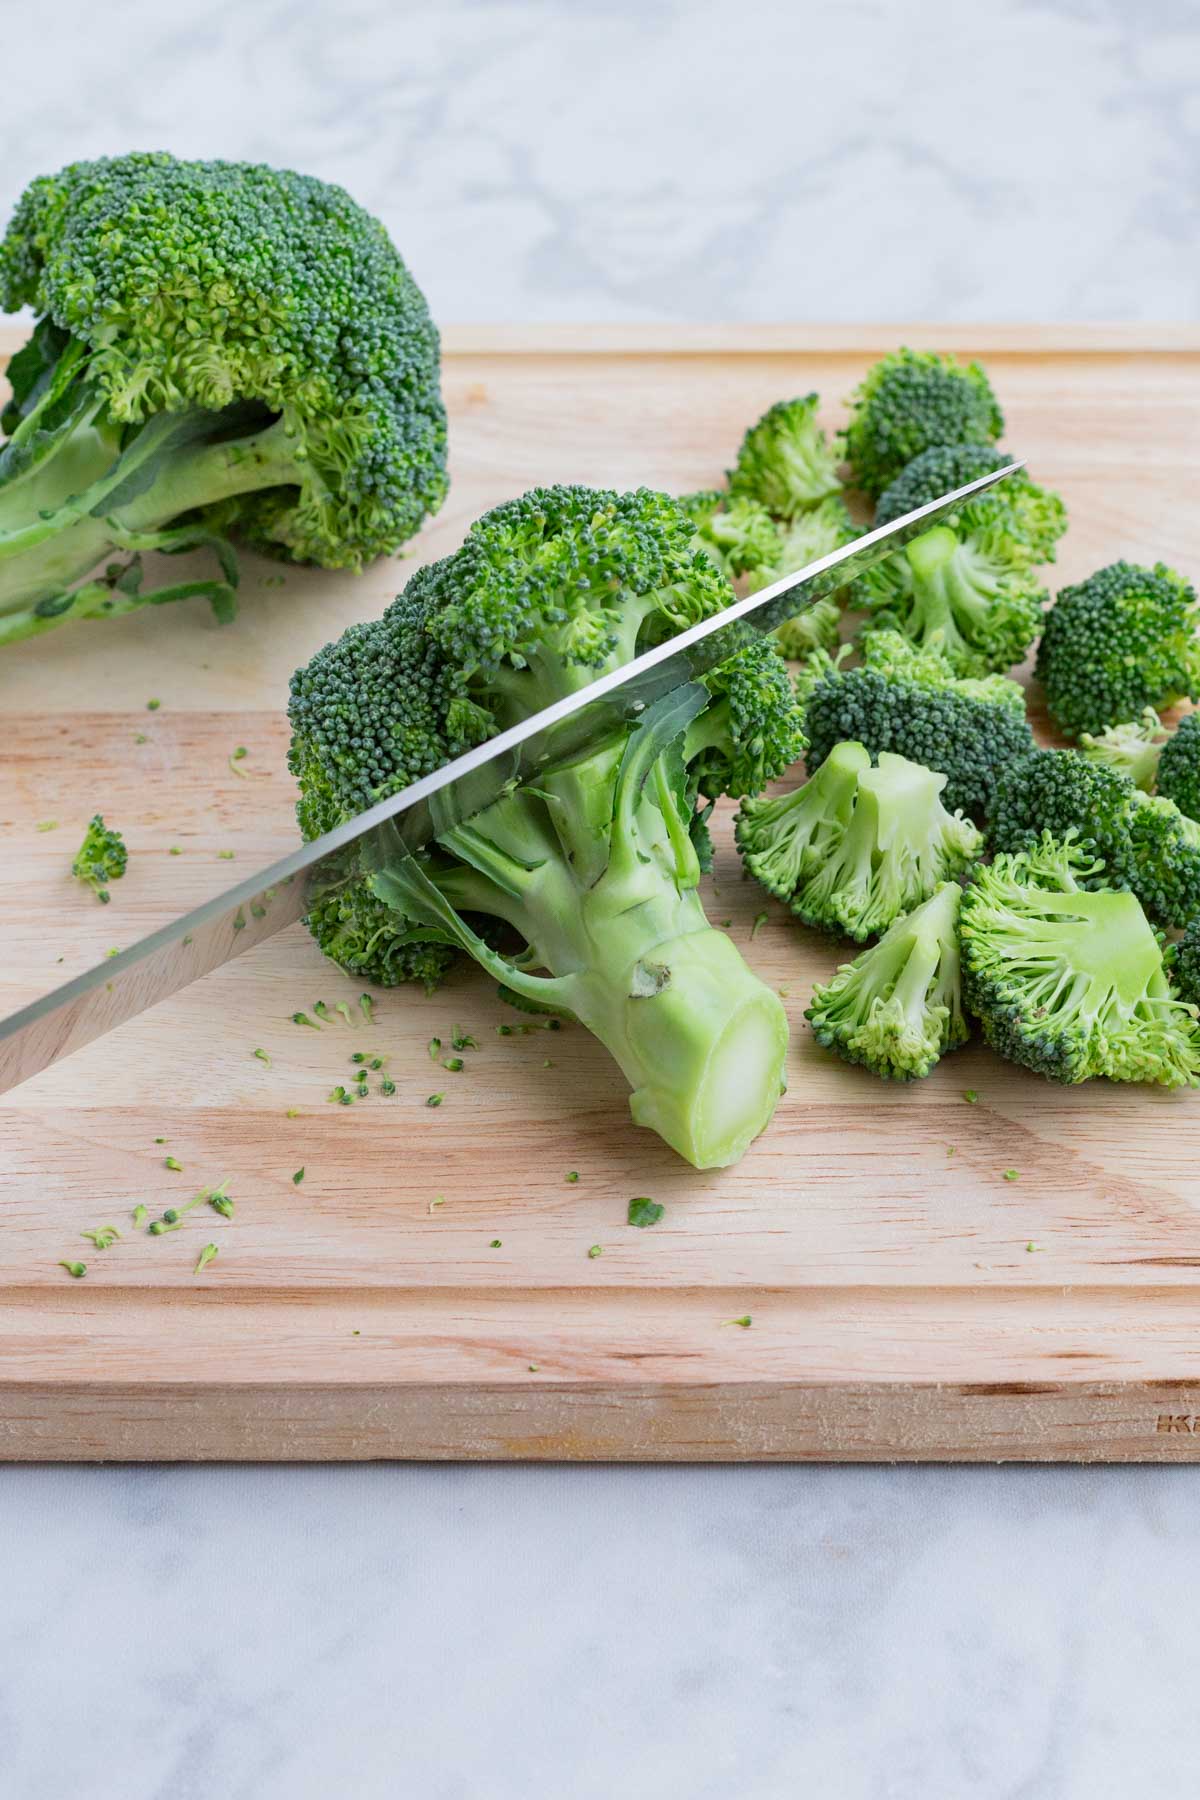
(1134, 748)
(1187, 963)
(1033, 514)
(593, 869)
(864, 846)
(738, 533)
(1068, 978)
(219, 347)
(811, 535)
(1121, 641)
(1145, 844)
(897, 1008)
(909, 701)
(786, 462)
(965, 589)
(914, 400)
(101, 858)
(1179, 766)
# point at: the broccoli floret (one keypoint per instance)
(810, 535)
(1186, 969)
(738, 533)
(593, 868)
(913, 400)
(101, 858)
(910, 702)
(967, 591)
(1032, 513)
(854, 873)
(786, 462)
(219, 347)
(897, 1008)
(1145, 844)
(1121, 641)
(1179, 766)
(1066, 977)
(1134, 749)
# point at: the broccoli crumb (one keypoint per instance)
(205, 1257)
(596, 1250)
(102, 1236)
(760, 920)
(435, 1099)
(298, 1177)
(1012, 1174)
(387, 1087)
(643, 1211)
(495, 1244)
(171, 1163)
(75, 1269)
(453, 1063)
(263, 1057)
(153, 705)
(745, 1321)
(462, 1040)
(366, 1006)
(226, 855)
(970, 1096)
(47, 825)
(572, 1174)
(438, 1200)
(238, 756)
(435, 1048)
(139, 1215)
(301, 1018)
(1031, 1247)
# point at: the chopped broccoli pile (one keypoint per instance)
(1123, 640)
(911, 401)
(856, 846)
(591, 874)
(101, 858)
(220, 347)
(786, 462)
(1179, 766)
(967, 590)
(897, 1008)
(1145, 844)
(910, 702)
(1133, 749)
(1031, 513)
(1068, 978)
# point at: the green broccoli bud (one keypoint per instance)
(1186, 968)
(1067, 978)
(738, 533)
(1121, 641)
(101, 858)
(786, 463)
(1031, 513)
(1179, 766)
(914, 400)
(1133, 749)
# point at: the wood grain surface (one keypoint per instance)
(906, 1300)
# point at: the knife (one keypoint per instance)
(246, 915)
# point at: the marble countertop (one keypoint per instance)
(670, 1634)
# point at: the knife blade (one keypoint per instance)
(244, 916)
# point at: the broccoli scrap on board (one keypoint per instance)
(101, 858)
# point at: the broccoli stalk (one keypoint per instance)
(1134, 749)
(594, 868)
(220, 347)
(897, 1008)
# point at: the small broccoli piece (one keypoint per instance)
(897, 1008)
(1068, 978)
(593, 870)
(786, 462)
(909, 701)
(968, 592)
(1032, 513)
(1186, 969)
(101, 858)
(1179, 766)
(914, 400)
(1143, 843)
(810, 535)
(1133, 749)
(1121, 641)
(219, 347)
(856, 846)
(738, 533)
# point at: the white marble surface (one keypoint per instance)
(522, 1634)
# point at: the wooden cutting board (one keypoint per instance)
(906, 1300)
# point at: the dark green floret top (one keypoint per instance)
(1123, 640)
(1031, 513)
(1179, 766)
(910, 401)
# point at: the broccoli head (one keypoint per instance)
(1133, 749)
(1179, 766)
(914, 400)
(591, 874)
(1067, 977)
(966, 590)
(219, 347)
(1145, 844)
(910, 701)
(897, 1008)
(1121, 641)
(1031, 513)
(855, 871)
(786, 462)
(101, 858)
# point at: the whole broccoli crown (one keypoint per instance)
(1133, 748)
(1179, 766)
(1186, 970)
(1121, 641)
(205, 283)
(754, 730)
(101, 858)
(969, 740)
(786, 462)
(1068, 979)
(913, 400)
(1032, 513)
(897, 1008)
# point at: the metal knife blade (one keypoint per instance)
(235, 921)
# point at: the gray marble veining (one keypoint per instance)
(522, 1634)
